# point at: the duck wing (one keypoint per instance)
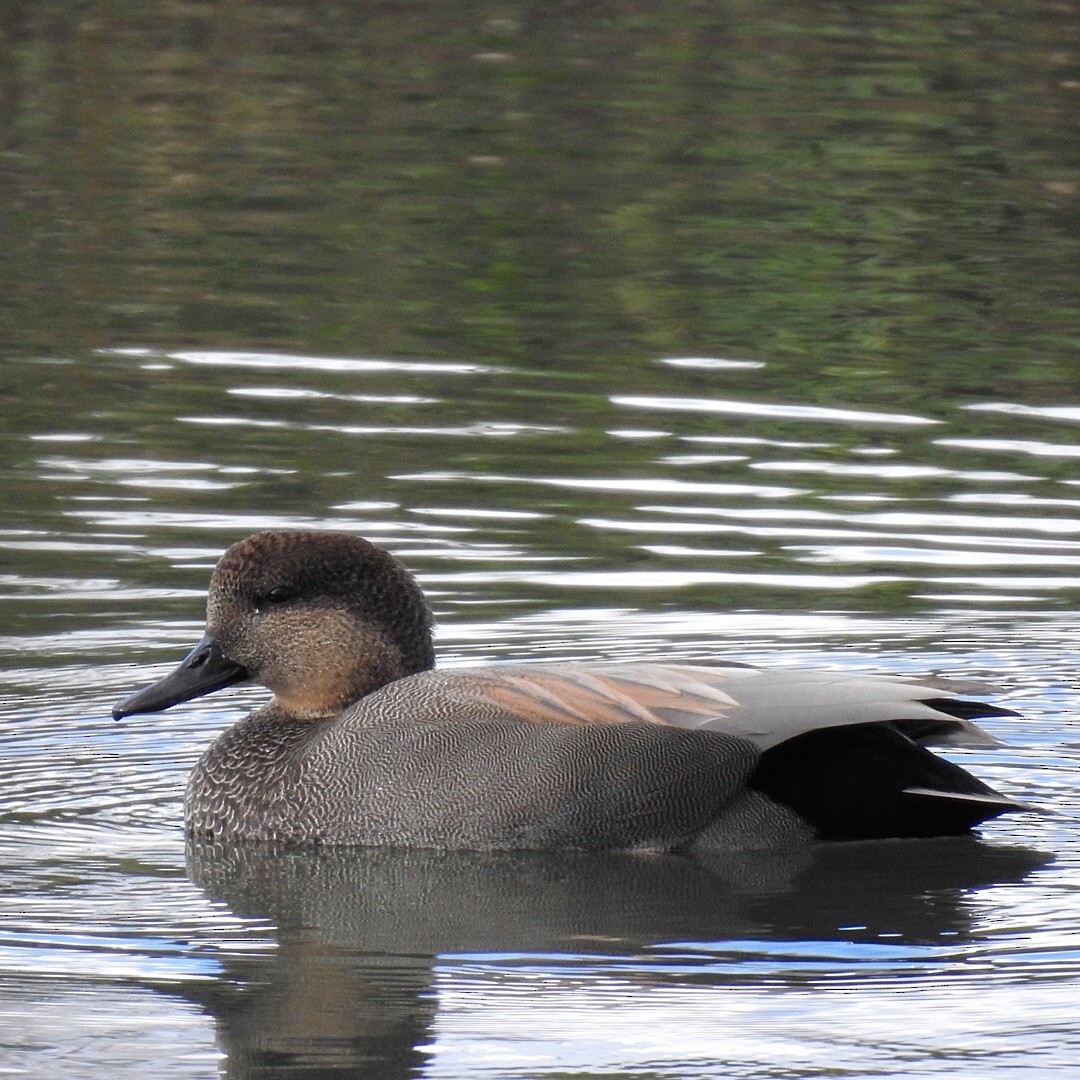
(766, 707)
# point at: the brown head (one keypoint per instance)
(319, 618)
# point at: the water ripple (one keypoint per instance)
(709, 363)
(1040, 412)
(284, 362)
(483, 428)
(769, 409)
(1013, 446)
(643, 485)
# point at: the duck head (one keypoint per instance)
(319, 618)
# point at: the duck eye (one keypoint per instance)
(279, 594)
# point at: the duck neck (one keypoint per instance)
(412, 637)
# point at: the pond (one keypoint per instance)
(730, 334)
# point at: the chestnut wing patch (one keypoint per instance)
(581, 694)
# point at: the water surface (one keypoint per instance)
(726, 334)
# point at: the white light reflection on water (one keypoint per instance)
(819, 413)
(75, 1029)
(1010, 498)
(498, 1023)
(754, 440)
(1039, 412)
(488, 429)
(889, 472)
(127, 466)
(241, 524)
(643, 485)
(922, 518)
(659, 579)
(286, 393)
(710, 363)
(851, 553)
(281, 362)
(1013, 446)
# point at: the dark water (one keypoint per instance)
(709, 331)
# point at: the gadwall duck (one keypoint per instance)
(364, 743)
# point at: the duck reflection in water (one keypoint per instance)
(368, 939)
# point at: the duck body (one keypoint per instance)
(465, 777)
(365, 744)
